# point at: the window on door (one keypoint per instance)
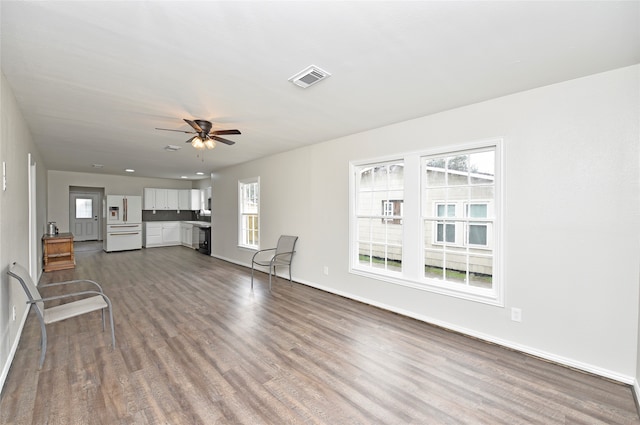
(84, 208)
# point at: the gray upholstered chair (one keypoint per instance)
(93, 300)
(281, 255)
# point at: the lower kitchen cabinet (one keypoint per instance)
(171, 233)
(186, 233)
(161, 233)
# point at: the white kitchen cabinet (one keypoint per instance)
(184, 196)
(188, 199)
(194, 199)
(171, 232)
(186, 231)
(172, 199)
(195, 237)
(161, 233)
(149, 198)
(155, 199)
(161, 199)
(152, 234)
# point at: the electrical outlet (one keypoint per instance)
(516, 314)
(13, 313)
(325, 270)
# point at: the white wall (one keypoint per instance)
(571, 218)
(15, 145)
(60, 181)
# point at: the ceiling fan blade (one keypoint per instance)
(193, 124)
(221, 140)
(216, 132)
(180, 131)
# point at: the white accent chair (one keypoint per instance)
(97, 301)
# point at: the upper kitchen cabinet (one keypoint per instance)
(189, 199)
(172, 199)
(156, 199)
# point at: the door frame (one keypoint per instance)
(90, 191)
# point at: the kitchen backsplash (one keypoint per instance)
(167, 215)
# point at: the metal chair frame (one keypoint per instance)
(283, 256)
(97, 301)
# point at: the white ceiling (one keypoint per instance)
(94, 79)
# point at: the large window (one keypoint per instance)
(249, 213)
(379, 236)
(430, 221)
(460, 188)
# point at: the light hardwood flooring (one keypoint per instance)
(196, 346)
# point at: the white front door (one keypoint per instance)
(83, 216)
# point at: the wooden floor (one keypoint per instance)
(196, 346)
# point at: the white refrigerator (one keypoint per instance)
(124, 223)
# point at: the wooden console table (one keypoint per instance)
(58, 252)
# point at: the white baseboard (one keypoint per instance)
(14, 348)
(586, 367)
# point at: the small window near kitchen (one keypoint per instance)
(249, 211)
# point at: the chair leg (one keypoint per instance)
(113, 332)
(43, 344)
(252, 277)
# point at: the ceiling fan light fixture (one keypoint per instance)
(210, 144)
(197, 143)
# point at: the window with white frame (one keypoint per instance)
(431, 221)
(249, 213)
(460, 188)
(379, 231)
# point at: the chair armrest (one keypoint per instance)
(261, 251)
(275, 257)
(73, 294)
(72, 281)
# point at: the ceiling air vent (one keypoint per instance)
(309, 76)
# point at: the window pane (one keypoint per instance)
(433, 264)
(364, 254)
(481, 271)
(458, 170)
(446, 232)
(478, 211)
(84, 208)
(483, 164)
(478, 234)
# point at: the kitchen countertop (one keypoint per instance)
(198, 223)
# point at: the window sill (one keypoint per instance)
(480, 295)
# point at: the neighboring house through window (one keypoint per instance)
(249, 213)
(431, 221)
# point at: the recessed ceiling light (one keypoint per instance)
(130, 170)
(97, 165)
(171, 148)
(183, 177)
(200, 173)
